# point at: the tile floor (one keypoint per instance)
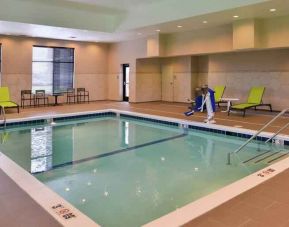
(18, 209)
(264, 205)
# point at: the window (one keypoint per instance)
(52, 69)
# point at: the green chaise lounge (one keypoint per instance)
(5, 101)
(254, 100)
(219, 91)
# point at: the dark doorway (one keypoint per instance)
(125, 72)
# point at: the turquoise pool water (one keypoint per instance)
(123, 172)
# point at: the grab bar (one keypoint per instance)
(277, 133)
(257, 133)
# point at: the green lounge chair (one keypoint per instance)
(219, 91)
(254, 100)
(5, 99)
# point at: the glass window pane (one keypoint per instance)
(127, 74)
(63, 76)
(63, 55)
(52, 69)
(42, 74)
(42, 54)
(127, 90)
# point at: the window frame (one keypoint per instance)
(53, 62)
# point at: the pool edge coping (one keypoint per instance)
(43, 195)
(175, 218)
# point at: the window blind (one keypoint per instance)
(52, 69)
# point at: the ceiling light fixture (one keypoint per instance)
(179, 26)
(139, 33)
(272, 10)
(236, 16)
(72, 37)
(205, 22)
(158, 30)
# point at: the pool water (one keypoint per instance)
(123, 172)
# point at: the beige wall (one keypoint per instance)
(124, 53)
(176, 78)
(244, 34)
(90, 65)
(218, 39)
(275, 32)
(240, 71)
(195, 57)
(148, 80)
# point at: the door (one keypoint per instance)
(167, 83)
(125, 90)
(182, 87)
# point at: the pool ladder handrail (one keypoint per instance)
(257, 133)
(4, 116)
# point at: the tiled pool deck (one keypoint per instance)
(18, 208)
(264, 205)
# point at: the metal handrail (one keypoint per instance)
(4, 115)
(277, 133)
(257, 133)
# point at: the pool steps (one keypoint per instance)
(268, 157)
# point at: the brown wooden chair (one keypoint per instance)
(70, 95)
(82, 95)
(40, 95)
(26, 95)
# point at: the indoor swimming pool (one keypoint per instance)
(122, 171)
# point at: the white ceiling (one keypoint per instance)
(117, 20)
(125, 5)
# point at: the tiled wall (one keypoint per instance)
(96, 84)
(148, 80)
(114, 86)
(240, 71)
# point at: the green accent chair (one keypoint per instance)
(5, 101)
(219, 91)
(254, 100)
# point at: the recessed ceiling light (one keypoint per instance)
(236, 16)
(179, 26)
(205, 22)
(272, 10)
(139, 33)
(158, 30)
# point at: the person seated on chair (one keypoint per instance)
(196, 104)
